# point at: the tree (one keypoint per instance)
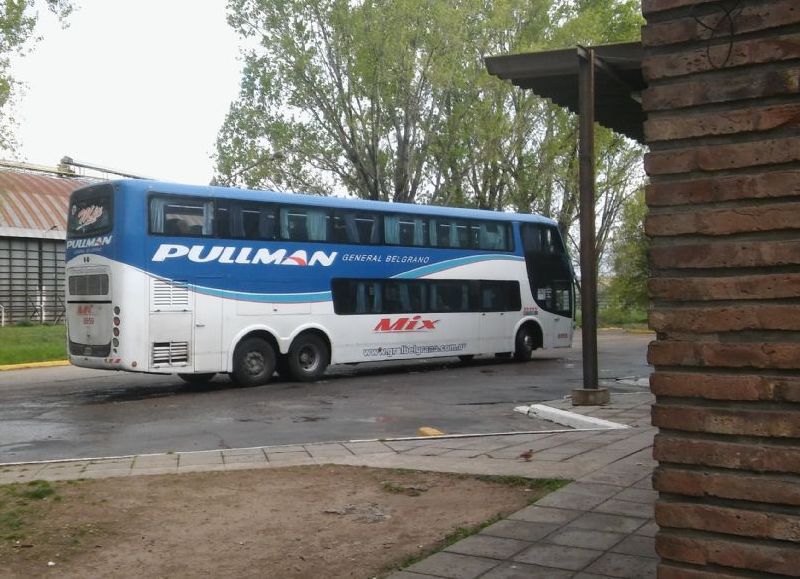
(628, 288)
(17, 26)
(390, 100)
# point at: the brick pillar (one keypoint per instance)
(724, 201)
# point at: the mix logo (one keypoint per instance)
(413, 324)
(242, 255)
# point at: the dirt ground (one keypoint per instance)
(327, 521)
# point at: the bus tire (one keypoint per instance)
(524, 344)
(308, 358)
(253, 362)
(466, 358)
(197, 378)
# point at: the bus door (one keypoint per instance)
(207, 328)
(497, 299)
(550, 277)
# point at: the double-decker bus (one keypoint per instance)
(194, 281)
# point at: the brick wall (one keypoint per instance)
(724, 199)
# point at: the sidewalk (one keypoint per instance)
(601, 525)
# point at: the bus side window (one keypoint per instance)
(304, 224)
(181, 216)
(492, 236)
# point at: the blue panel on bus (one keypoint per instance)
(278, 271)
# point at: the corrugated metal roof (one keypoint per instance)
(554, 75)
(33, 205)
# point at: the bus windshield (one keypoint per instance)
(91, 213)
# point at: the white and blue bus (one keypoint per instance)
(192, 280)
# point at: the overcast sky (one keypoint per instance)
(139, 86)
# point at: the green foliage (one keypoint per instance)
(17, 26)
(391, 100)
(628, 288)
(18, 505)
(22, 344)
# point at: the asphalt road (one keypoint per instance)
(68, 412)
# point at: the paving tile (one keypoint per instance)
(593, 489)
(623, 479)
(488, 546)
(326, 450)
(538, 514)
(637, 545)
(453, 565)
(285, 457)
(644, 483)
(636, 495)
(358, 448)
(558, 556)
(186, 459)
(255, 457)
(565, 499)
(155, 460)
(586, 538)
(648, 530)
(407, 575)
(286, 448)
(589, 576)
(522, 571)
(611, 523)
(520, 530)
(425, 451)
(624, 566)
(243, 451)
(464, 453)
(613, 506)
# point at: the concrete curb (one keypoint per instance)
(567, 418)
(27, 365)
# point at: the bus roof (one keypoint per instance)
(147, 186)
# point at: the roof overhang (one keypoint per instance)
(554, 75)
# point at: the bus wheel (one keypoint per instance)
(253, 362)
(524, 344)
(308, 358)
(197, 378)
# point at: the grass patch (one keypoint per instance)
(21, 503)
(22, 344)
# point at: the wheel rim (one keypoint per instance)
(254, 363)
(308, 358)
(527, 340)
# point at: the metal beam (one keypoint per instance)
(586, 69)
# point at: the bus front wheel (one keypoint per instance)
(308, 358)
(253, 362)
(524, 344)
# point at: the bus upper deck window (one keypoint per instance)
(181, 216)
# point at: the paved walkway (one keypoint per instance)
(601, 525)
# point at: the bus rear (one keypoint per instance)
(90, 308)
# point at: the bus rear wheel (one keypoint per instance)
(524, 344)
(308, 358)
(253, 362)
(197, 378)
